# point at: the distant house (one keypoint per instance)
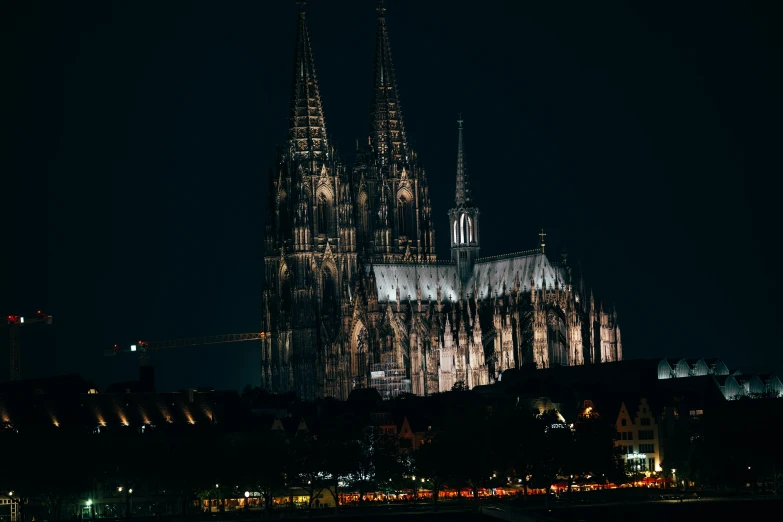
(414, 431)
(289, 427)
(637, 436)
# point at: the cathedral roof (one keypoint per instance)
(406, 276)
(488, 277)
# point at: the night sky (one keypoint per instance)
(138, 138)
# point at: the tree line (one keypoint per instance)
(472, 444)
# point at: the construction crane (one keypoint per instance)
(145, 348)
(15, 322)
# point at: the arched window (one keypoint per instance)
(283, 216)
(364, 213)
(322, 215)
(455, 234)
(406, 218)
(329, 293)
(470, 230)
(462, 229)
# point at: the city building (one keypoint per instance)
(637, 435)
(733, 384)
(354, 295)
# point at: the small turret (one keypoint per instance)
(463, 218)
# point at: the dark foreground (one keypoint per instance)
(651, 511)
(635, 511)
(657, 511)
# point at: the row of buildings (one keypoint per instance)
(647, 406)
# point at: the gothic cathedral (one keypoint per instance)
(354, 296)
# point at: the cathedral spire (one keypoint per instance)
(307, 131)
(387, 133)
(463, 186)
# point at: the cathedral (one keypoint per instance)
(354, 295)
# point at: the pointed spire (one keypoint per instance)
(463, 186)
(387, 133)
(307, 131)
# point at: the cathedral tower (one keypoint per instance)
(394, 214)
(463, 219)
(310, 241)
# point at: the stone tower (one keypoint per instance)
(463, 219)
(394, 215)
(310, 241)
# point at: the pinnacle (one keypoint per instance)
(462, 198)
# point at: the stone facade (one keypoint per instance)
(354, 295)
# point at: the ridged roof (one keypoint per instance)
(488, 277)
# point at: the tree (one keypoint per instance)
(341, 453)
(523, 437)
(433, 462)
(594, 450)
(305, 466)
(472, 433)
(556, 450)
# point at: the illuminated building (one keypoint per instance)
(637, 435)
(733, 384)
(354, 295)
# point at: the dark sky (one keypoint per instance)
(138, 137)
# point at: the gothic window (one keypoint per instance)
(462, 229)
(456, 232)
(406, 218)
(360, 350)
(470, 230)
(284, 219)
(329, 294)
(364, 213)
(322, 215)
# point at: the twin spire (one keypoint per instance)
(387, 132)
(307, 131)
